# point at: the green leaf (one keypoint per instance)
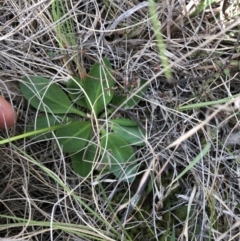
(76, 94)
(132, 134)
(74, 137)
(46, 96)
(119, 99)
(98, 86)
(124, 122)
(119, 155)
(45, 121)
(82, 161)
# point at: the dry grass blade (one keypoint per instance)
(60, 39)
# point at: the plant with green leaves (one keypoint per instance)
(82, 121)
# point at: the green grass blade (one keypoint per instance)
(160, 43)
(79, 230)
(194, 162)
(46, 121)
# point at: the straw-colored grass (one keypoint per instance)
(188, 51)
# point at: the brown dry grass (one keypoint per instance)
(198, 45)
